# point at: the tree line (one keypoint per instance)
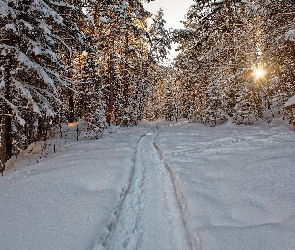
(236, 60)
(62, 61)
(97, 60)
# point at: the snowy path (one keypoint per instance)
(235, 184)
(150, 217)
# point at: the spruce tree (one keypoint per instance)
(34, 47)
(160, 37)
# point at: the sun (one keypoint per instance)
(259, 73)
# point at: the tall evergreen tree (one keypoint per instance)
(34, 47)
(229, 40)
(160, 37)
(120, 38)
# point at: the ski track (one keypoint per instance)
(150, 217)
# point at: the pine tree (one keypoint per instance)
(160, 38)
(120, 37)
(33, 58)
(160, 82)
(224, 40)
(214, 113)
(280, 40)
(245, 109)
(90, 102)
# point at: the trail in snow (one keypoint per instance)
(150, 217)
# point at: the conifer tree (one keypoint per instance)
(160, 37)
(160, 101)
(34, 48)
(214, 113)
(120, 37)
(224, 40)
(279, 19)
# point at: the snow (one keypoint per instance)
(104, 19)
(236, 184)
(28, 25)
(10, 26)
(69, 200)
(150, 215)
(5, 10)
(45, 27)
(2, 82)
(290, 35)
(15, 111)
(33, 65)
(226, 187)
(89, 18)
(27, 94)
(48, 11)
(291, 101)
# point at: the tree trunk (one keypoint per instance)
(3, 137)
(71, 107)
(110, 106)
(5, 133)
(125, 92)
(6, 140)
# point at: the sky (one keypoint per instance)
(174, 12)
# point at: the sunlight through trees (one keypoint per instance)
(98, 61)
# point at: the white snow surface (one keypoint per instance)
(161, 185)
(150, 217)
(290, 35)
(290, 101)
(104, 19)
(235, 183)
(69, 200)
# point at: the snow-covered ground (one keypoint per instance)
(150, 217)
(235, 183)
(69, 200)
(157, 186)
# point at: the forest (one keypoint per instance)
(62, 61)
